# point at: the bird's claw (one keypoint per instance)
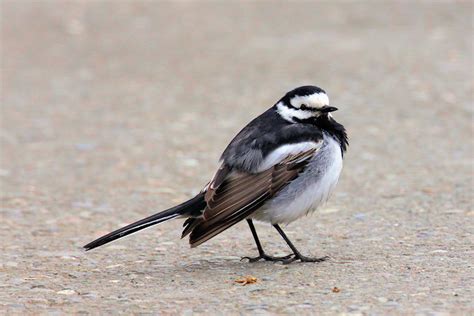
(267, 258)
(304, 259)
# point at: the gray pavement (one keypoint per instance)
(111, 111)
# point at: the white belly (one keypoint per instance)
(311, 189)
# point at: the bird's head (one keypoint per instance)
(304, 103)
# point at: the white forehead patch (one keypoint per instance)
(316, 100)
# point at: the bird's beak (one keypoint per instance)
(327, 109)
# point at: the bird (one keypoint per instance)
(281, 166)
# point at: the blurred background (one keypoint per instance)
(111, 111)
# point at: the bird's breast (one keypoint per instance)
(309, 190)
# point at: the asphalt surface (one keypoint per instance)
(111, 111)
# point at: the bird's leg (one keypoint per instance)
(298, 255)
(261, 254)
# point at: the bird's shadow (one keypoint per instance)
(234, 266)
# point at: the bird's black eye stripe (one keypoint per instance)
(304, 107)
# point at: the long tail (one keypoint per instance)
(189, 207)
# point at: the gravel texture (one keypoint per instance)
(114, 110)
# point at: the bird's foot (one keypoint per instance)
(304, 259)
(266, 257)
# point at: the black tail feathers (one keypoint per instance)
(189, 207)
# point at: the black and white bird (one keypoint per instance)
(280, 167)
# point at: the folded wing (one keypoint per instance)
(237, 195)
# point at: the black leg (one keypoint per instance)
(255, 236)
(298, 255)
(261, 254)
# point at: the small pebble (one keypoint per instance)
(66, 292)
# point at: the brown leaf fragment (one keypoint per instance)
(428, 191)
(247, 280)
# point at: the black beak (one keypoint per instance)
(327, 109)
